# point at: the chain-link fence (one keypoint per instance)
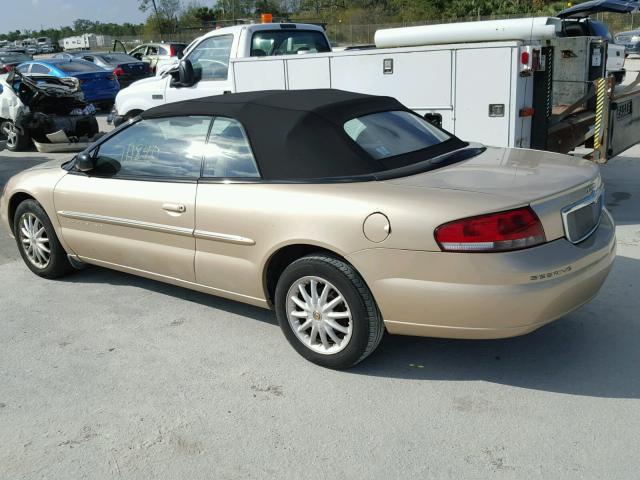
(343, 34)
(348, 34)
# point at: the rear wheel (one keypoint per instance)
(15, 140)
(37, 241)
(327, 312)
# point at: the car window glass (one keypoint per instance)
(152, 51)
(23, 68)
(37, 68)
(387, 134)
(118, 57)
(288, 42)
(210, 59)
(228, 153)
(160, 148)
(76, 66)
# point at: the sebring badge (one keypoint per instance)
(555, 273)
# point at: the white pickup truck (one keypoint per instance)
(482, 88)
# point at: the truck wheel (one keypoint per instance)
(327, 312)
(15, 141)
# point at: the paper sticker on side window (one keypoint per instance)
(623, 110)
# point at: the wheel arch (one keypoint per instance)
(283, 256)
(16, 199)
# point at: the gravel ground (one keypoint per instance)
(106, 375)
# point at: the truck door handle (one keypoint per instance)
(174, 207)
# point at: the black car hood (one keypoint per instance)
(586, 9)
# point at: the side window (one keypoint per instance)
(210, 59)
(23, 68)
(152, 50)
(288, 42)
(41, 69)
(160, 148)
(138, 52)
(228, 153)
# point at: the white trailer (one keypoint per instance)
(476, 90)
(80, 42)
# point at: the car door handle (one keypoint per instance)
(174, 207)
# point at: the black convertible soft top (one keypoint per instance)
(299, 134)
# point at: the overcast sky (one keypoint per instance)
(32, 14)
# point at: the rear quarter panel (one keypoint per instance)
(329, 216)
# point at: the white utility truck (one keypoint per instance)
(490, 82)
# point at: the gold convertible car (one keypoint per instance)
(348, 214)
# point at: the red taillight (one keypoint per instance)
(524, 58)
(4, 69)
(495, 232)
(172, 51)
(118, 71)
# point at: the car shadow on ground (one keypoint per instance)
(593, 351)
(93, 274)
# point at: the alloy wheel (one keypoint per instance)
(9, 130)
(35, 241)
(319, 315)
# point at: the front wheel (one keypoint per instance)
(327, 312)
(16, 141)
(37, 241)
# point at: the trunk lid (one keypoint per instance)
(517, 174)
(93, 76)
(135, 68)
(586, 9)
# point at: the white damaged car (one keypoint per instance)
(49, 112)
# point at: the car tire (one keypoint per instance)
(15, 140)
(35, 235)
(354, 321)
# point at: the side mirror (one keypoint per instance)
(185, 73)
(85, 162)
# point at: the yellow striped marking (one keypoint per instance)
(600, 94)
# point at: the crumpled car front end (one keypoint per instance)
(49, 111)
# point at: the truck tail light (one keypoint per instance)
(118, 71)
(495, 232)
(525, 61)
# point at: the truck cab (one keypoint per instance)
(209, 61)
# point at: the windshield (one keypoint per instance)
(77, 66)
(118, 58)
(288, 42)
(388, 134)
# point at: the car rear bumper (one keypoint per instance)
(492, 295)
